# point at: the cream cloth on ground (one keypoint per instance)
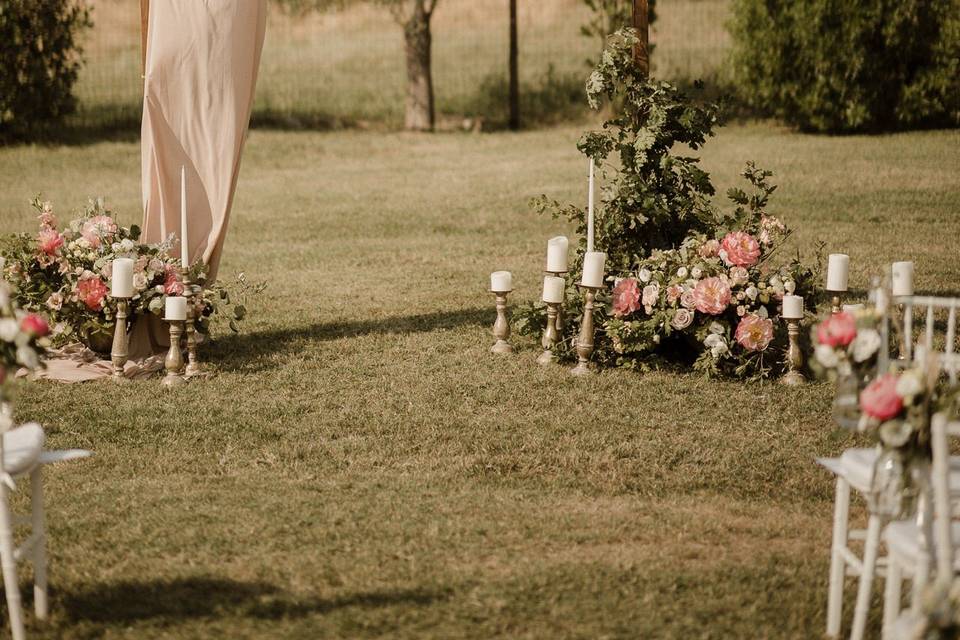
(76, 363)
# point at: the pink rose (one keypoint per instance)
(880, 399)
(711, 296)
(626, 297)
(49, 241)
(709, 249)
(674, 292)
(741, 249)
(91, 291)
(172, 286)
(682, 319)
(651, 293)
(687, 300)
(34, 325)
(754, 333)
(97, 228)
(838, 330)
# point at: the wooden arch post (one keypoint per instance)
(641, 22)
(144, 23)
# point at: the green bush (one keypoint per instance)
(836, 65)
(39, 60)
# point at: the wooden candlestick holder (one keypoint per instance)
(173, 363)
(794, 355)
(193, 366)
(550, 335)
(835, 301)
(585, 340)
(501, 328)
(120, 351)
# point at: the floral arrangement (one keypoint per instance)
(65, 272)
(939, 615)
(23, 338)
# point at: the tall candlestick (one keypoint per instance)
(838, 270)
(902, 282)
(557, 252)
(585, 339)
(590, 209)
(120, 351)
(550, 335)
(173, 363)
(593, 262)
(121, 278)
(501, 328)
(794, 354)
(184, 242)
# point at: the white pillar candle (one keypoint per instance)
(176, 308)
(501, 281)
(557, 251)
(121, 278)
(553, 288)
(590, 208)
(793, 307)
(184, 243)
(593, 262)
(902, 283)
(853, 308)
(838, 269)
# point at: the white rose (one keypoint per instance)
(752, 292)
(127, 245)
(682, 272)
(8, 329)
(909, 385)
(790, 286)
(696, 272)
(826, 356)
(644, 275)
(762, 312)
(865, 344)
(139, 281)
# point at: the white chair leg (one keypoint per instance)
(9, 566)
(838, 566)
(866, 578)
(891, 595)
(40, 600)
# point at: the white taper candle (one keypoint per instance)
(184, 242)
(590, 208)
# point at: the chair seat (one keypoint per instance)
(903, 539)
(906, 627)
(856, 465)
(21, 448)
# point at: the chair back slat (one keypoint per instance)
(928, 333)
(949, 363)
(940, 429)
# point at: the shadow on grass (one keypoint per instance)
(257, 351)
(207, 597)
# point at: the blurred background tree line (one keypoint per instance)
(820, 65)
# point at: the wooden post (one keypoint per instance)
(641, 22)
(514, 71)
(144, 23)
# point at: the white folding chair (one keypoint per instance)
(855, 468)
(22, 454)
(925, 543)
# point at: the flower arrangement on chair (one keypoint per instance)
(23, 339)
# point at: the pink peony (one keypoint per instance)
(682, 319)
(97, 228)
(626, 297)
(709, 249)
(34, 325)
(711, 296)
(880, 399)
(754, 333)
(49, 241)
(838, 330)
(741, 249)
(172, 286)
(91, 292)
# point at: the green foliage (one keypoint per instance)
(550, 99)
(39, 61)
(652, 199)
(850, 66)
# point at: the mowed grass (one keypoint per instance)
(362, 467)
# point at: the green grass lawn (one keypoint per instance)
(362, 467)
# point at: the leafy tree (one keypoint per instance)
(39, 60)
(414, 17)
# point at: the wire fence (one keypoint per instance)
(346, 68)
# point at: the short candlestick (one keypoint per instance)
(550, 335)
(174, 360)
(794, 355)
(585, 340)
(501, 328)
(120, 351)
(560, 314)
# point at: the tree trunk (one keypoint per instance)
(420, 114)
(514, 71)
(641, 22)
